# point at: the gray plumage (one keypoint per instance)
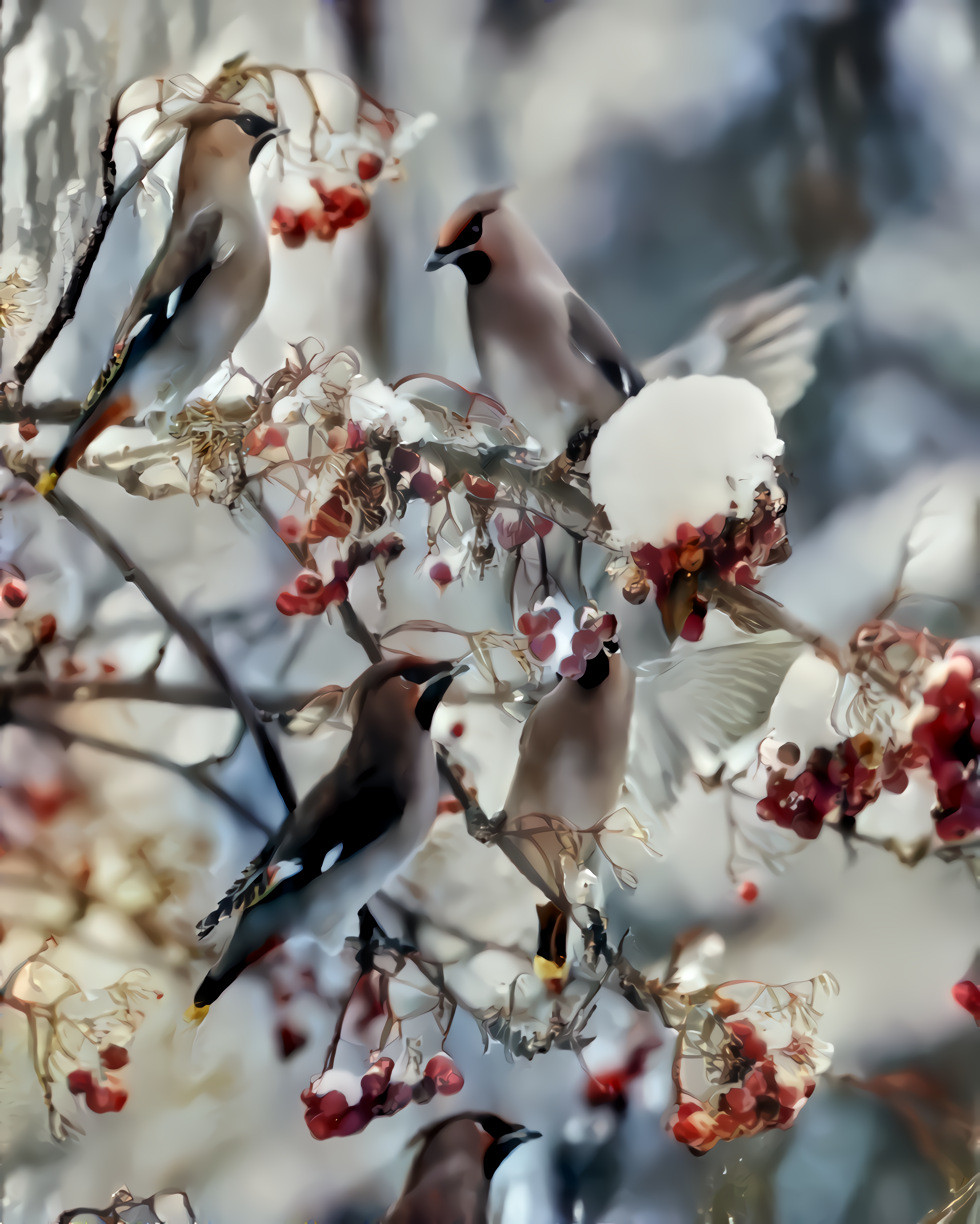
(204, 289)
(352, 831)
(543, 351)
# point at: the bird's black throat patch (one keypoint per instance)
(475, 266)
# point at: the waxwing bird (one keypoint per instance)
(571, 768)
(543, 351)
(352, 831)
(200, 294)
(449, 1181)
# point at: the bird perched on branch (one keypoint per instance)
(570, 772)
(542, 350)
(558, 369)
(449, 1181)
(353, 830)
(200, 294)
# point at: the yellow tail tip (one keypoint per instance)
(195, 1014)
(46, 482)
(549, 972)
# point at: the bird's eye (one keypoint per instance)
(254, 125)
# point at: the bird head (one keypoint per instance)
(232, 132)
(410, 681)
(504, 1138)
(470, 238)
(482, 1136)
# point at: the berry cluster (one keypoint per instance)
(587, 640)
(948, 732)
(763, 1094)
(106, 1094)
(723, 549)
(311, 595)
(840, 782)
(338, 1104)
(339, 208)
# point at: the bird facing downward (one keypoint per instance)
(203, 290)
(571, 767)
(351, 832)
(543, 352)
(449, 1181)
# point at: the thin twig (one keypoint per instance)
(197, 774)
(191, 637)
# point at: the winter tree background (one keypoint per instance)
(782, 193)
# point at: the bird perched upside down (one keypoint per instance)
(351, 832)
(200, 294)
(449, 1181)
(571, 767)
(542, 350)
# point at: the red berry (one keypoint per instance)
(967, 994)
(544, 646)
(309, 584)
(457, 730)
(27, 430)
(425, 487)
(106, 1098)
(369, 166)
(79, 1081)
(444, 1074)
(13, 593)
(479, 487)
(748, 891)
(441, 574)
(113, 1057)
(45, 629)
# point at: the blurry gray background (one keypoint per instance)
(672, 154)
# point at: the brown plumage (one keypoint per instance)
(352, 830)
(449, 1181)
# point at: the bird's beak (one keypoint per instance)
(524, 1135)
(439, 259)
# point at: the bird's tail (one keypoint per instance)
(102, 414)
(104, 406)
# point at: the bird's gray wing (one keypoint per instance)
(591, 337)
(770, 339)
(342, 816)
(180, 268)
(185, 252)
(690, 710)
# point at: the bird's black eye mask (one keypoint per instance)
(471, 232)
(253, 125)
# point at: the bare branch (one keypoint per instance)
(190, 636)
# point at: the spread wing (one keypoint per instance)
(770, 340)
(689, 711)
(339, 818)
(591, 337)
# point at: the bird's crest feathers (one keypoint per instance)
(480, 202)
